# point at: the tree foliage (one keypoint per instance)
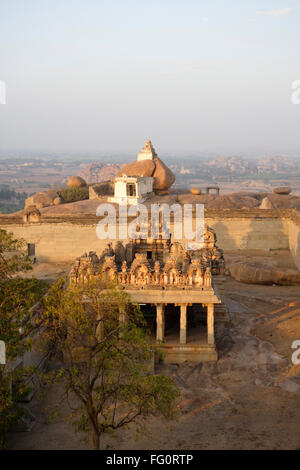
(74, 193)
(13, 256)
(17, 297)
(106, 357)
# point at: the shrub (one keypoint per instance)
(73, 194)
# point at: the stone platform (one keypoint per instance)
(180, 353)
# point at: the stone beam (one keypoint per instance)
(174, 296)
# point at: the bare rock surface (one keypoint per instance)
(138, 168)
(261, 272)
(282, 190)
(259, 267)
(41, 199)
(285, 201)
(99, 172)
(290, 386)
(242, 200)
(189, 198)
(233, 201)
(86, 206)
(164, 178)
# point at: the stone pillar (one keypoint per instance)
(160, 322)
(183, 311)
(210, 324)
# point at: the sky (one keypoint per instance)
(194, 76)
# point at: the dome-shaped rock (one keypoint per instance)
(142, 168)
(57, 201)
(195, 191)
(148, 164)
(163, 176)
(76, 181)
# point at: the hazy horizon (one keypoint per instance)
(100, 77)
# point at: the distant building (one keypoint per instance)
(148, 164)
(132, 190)
(138, 180)
(185, 171)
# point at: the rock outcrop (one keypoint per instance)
(76, 181)
(263, 272)
(266, 203)
(284, 190)
(138, 168)
(149, 164)
(57, 201)
(195, 191)
(100, 172)
(241, 200)
(41, 199)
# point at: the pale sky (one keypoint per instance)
(194, 76)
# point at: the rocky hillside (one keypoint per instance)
(98, 172)
(241, 200)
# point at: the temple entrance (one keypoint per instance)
(149, 314)
(172, 323)
(179, 325)
(131, 189)
(196, 324)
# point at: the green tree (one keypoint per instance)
(106, 354)
(17, 323)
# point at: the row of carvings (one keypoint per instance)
(141, 274)
(171, 278)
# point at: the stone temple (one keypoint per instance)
(141, 179)
(176, 288)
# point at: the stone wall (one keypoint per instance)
(294, 237)
(58, 242)
(69, 237)
(101, 190)
(249, 233)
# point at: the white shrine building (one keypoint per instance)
(132, 190)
